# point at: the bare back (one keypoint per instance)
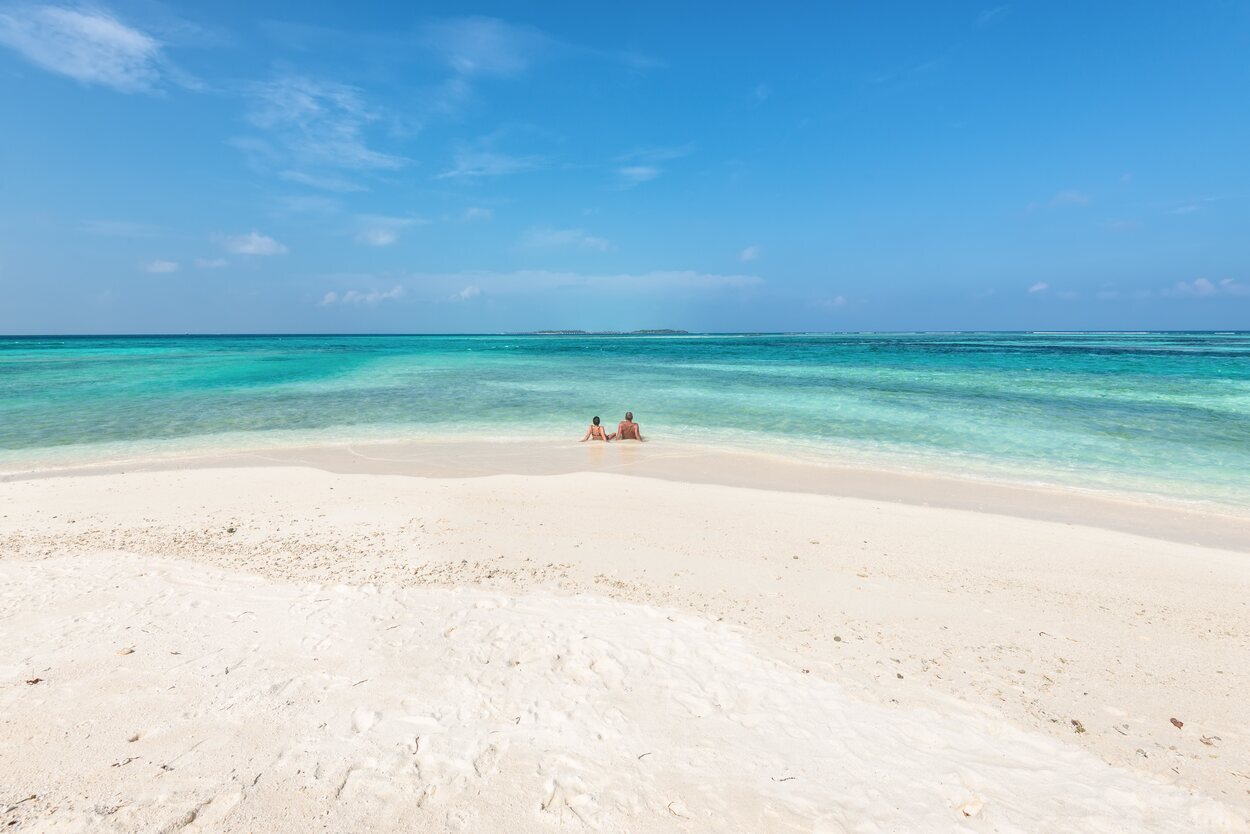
(628, 430)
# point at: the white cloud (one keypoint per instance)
(377, 237)
(477, 213)
(1186, 209)
(835, 303)
(751, 253)
(485, 46)
(211, 263)
(762, 92)
(317, 125)
(555, 238)
(1206, 288)
(635, 174)
(357, 297)
(159, 266)
(84, 43)
(468, 285)
(643, 164)
(483, 163)
(1040, 286)
(380, 230)
(253, 243)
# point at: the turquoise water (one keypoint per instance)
(1161, 413)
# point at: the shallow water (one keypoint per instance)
(1160, 413)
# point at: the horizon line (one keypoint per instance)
(647, 332)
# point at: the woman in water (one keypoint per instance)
(595, 432)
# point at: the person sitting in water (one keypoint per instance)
(595, 432)
(627, 429)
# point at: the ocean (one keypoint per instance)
(1161, 414)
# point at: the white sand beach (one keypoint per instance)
(614, 639)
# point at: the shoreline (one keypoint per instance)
(1201, 523)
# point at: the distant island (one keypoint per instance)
(605, 333)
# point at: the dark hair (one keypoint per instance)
(595, 421)
(629, 415)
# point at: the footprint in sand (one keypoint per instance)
(487, 762)
(364, 719)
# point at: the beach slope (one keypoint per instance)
(274, 648)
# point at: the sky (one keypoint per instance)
(441, 167)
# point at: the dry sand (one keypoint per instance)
(621, 653)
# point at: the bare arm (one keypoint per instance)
(587, 437)
(638, 429)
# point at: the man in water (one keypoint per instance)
(627, 429)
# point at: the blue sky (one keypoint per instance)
(314, 166)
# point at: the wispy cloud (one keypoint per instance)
(380, 230)
(473, 48)
(761, 92)
(636, 174)
(1040, 286)
(543, 238)
(306, 204)
(988, 16)
(160, 267)
(326, 182)
(485, 46)
(357, 297)
(471, 163)
(480, 46)
(914, 73)
(211, 263)
(252, 243)
(467, 293)
(85, 43)
(657, 153)
(644, 164)
(313, 131)
(751, 253)
(478, 213)
(1190, 205)
(1070, 197)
